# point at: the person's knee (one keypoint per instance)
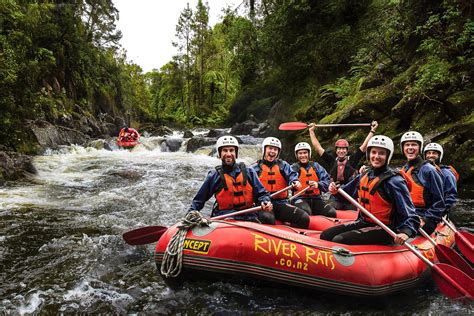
(329, 211)
(301, 218)
(303, 205)
(266, 218)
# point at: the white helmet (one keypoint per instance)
(435, 147)
(412, 136)
(381, 141)
(224, 141)
(302, 145)
(271, 141)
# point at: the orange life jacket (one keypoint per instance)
(417, 190)
(371, 199)
(451, 168)
(234, 194)
(305, 177)
(273, 180)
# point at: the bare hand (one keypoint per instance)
(400, 238)
(333, 188)
(313, 184)
(311, 127)
(363, 169)
(422, 222)
(267, 206)
(296, 185)
(373, 126)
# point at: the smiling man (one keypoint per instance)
(235, 186)
(311, 174)
(424, 182)
(276, 174)
(383, 192)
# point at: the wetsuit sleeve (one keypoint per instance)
(450, 188)
(259, 192)
(431, 180)
(351, 188)
(323, 176)
(355, 159)
(288, 173)
(407, 221)
(206, 191)
(328, 159)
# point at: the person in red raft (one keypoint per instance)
(383, 192)
(128, 135)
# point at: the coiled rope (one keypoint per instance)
(173, 256)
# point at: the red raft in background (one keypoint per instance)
(128, 138)
(236, 250)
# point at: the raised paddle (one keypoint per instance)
(144, 235)
(464, 241)
(449, 256)
(451, 281)
(296, 126)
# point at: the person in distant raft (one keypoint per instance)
(342, 168)
(424, 182)
(128, 134)
(235, 186)
(384, 193)
(434, 152)
(276, 174)
(314, 175)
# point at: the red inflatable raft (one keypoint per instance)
(235, 250)
(128, 144)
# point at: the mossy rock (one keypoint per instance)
(460, 104)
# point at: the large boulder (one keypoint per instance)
(15, 166)
(198, 142)
(244, 128)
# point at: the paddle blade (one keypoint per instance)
(449, 256)
(144, 235)
(292, 126)
(464, 241)
(453, 282)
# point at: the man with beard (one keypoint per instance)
(424, 182)
(342, 168)
(275, 175)
(384, 193)
(314, 175)
(434, 152)
(235, 186)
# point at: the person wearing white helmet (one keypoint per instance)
(275, 175)
(314, 175)
(424, 182)
(342, 167)
(234, 186)
(383, 192)
(434, 152)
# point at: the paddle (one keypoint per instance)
(449, 256)
(451, 281)
(464, 241)
(295, 126)
(149, 234)
(144, 235)
(299, 193)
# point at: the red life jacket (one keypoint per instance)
(234, 194)
(371, 199)
(417, 190)
(304, 178)
(273, 180)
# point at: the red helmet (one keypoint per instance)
(342, 143)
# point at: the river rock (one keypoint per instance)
(198, 142)
(173, 144)
(188, 134)
(244, 128)
(15, 166)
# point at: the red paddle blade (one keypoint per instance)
(144, 235)
(292, 126)
(453, 282)
(464, 241)
(449, 256)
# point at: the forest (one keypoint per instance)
(408, 64)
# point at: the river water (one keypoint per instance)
(61, 249)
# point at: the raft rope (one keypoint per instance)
(173, 257)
